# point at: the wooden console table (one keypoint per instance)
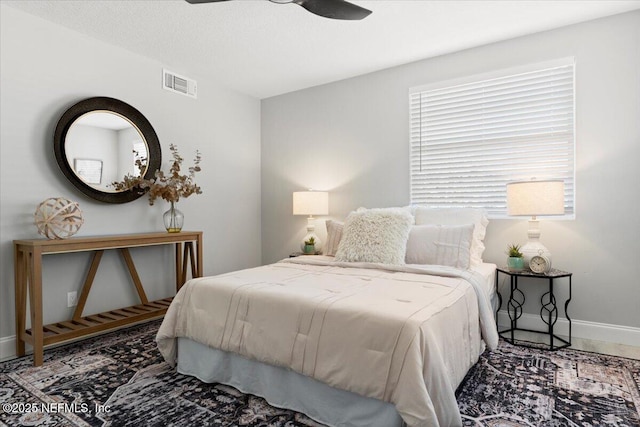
(28, 275)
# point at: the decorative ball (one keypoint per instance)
(58, 218)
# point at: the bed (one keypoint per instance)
(345, 341)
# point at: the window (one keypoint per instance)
(139, 153)
(470, 138)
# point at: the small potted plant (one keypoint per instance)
(515, 262)
(310, 246)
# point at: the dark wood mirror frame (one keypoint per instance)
(123, 109)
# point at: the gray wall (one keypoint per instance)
(351, 138)
(44, 70)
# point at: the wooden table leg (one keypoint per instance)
(185, 260)
(199, 248)
(20, 279)
(188, 256)
(35, 305)
(86, 287)
(179, 261)
(134, 274)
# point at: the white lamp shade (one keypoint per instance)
(310, 203)
(533, 198)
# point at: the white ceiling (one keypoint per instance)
(104, 120)
(265, 49)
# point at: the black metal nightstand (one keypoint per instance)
(548, 312)
(297, 254)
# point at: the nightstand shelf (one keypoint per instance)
(548, 310)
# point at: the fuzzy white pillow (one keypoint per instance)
(448, 245)
(375, 235)
(334, 235)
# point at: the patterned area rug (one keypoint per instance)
(120, 379)
(516, 386)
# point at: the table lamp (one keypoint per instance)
(311, 203)
(535, 198)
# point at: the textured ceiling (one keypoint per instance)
(265, 49)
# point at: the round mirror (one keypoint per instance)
(99, 140)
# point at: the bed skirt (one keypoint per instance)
(284, 388)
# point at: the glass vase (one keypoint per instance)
(173, 219)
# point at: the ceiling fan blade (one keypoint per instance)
(335, 9)
(203, 1)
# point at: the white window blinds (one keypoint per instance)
(139, 153)
(139, 150)
(470, 139)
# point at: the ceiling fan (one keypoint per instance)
(335, 9)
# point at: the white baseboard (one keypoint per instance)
(8, 348)
(579, 329)
(626, 335)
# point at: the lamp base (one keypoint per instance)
(311, 234)
(531, 249)
(533, 246)
(316, 245)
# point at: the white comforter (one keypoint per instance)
(405, 335)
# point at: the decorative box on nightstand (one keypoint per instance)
(548, 310)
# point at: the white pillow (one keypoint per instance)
(448, 245)
(334, 235)
(457, 216)
(375, 235)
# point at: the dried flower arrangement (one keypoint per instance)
(168, 187)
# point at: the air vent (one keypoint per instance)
(179, 84)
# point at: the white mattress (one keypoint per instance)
(488, 271)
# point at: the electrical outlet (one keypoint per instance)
(72, 299)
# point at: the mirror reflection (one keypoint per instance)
(102, 147)
(98, 140)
